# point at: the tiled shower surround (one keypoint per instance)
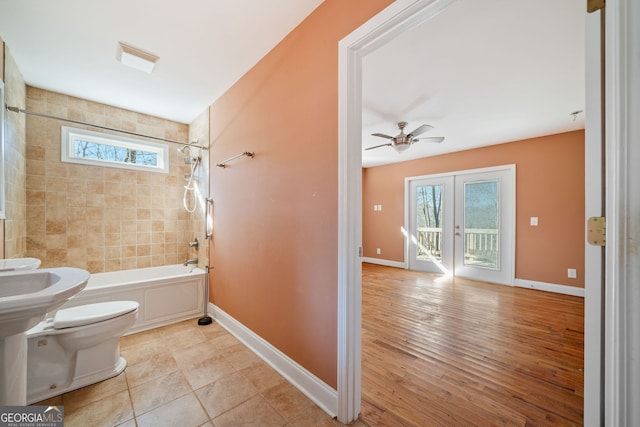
(100, 218)
(15, 225)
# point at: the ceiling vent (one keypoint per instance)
(136, 58)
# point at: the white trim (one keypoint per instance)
(508, 167)
(593, 268)
(622, 262)
(398, 17)
(311, 386)
(386, 262)
(549, 287)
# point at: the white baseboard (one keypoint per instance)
(314, 388)
(521, 283)
(384, 262)
(550, 287)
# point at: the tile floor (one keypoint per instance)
(190, 375)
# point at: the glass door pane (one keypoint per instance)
(429, 222)
(481, 224)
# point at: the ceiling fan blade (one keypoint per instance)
(436, 139)
(382, 135)
(378, 146)
(420, 130)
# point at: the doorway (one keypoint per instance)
(384, 27)
(463, 224)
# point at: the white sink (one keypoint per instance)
(25, 298)
(27, 295)
(13, 264)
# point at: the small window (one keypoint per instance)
(99, 149)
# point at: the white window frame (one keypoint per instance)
(71, 135)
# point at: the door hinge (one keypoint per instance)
(593, 5)
(596, 229)
(360, 252)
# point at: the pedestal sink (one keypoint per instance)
(25, 298)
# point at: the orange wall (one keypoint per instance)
(549, 185)
(274, 249)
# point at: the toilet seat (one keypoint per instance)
(92, 313)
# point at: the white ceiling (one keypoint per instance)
(205, 46)
(481, 72)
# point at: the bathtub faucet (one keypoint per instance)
(190, 261)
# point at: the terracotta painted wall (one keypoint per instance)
(549, 185)
(275, 217)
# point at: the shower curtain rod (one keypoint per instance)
(48, 116)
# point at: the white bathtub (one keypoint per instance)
(166, 294)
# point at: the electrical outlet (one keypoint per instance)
(571, 273)
(378, 251)
(534, 221)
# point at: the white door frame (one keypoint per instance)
(622, 260)
(396, 18)
(593, 268)
(622, 319)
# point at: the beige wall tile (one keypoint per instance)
(101, 219)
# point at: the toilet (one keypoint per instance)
(76, 347)
(14, 264)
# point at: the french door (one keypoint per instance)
(463, 224)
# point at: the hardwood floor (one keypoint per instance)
(454, 352)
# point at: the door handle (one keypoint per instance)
(457, 234)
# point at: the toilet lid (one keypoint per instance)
(92, 313)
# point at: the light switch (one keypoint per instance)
(534, 221)
(379, 207)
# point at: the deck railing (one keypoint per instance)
(479, 243)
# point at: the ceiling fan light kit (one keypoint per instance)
(402, 141)
(401, 147)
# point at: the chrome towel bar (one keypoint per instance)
(224, 163)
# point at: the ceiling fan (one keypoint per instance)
(402, 141)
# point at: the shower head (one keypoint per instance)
(184, 148)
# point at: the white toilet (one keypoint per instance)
(77, 347)
(13, 264)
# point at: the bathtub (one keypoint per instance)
(166, 294)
